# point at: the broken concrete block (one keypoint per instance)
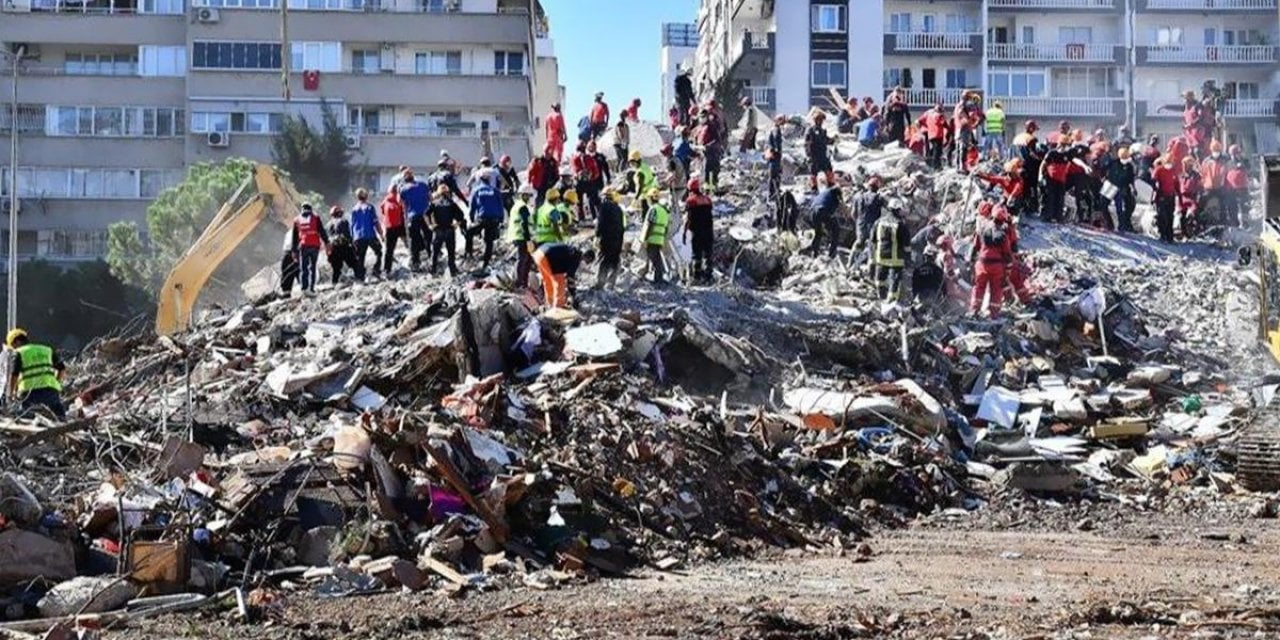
(596, 341)
(17, 503)
(179, 458)
(87, 594)
(397, 572)
(25, 555)
(313, 548)
(1070, 409)
(1040, 477)
(351, 447)
(1120, 428)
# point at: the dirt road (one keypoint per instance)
(918, 583)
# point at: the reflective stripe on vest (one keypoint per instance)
(659, 219)
(644, 179)
(887, 243)
(37, 369)
(995, 120)
(544, 228)
(308, 230)
(518, 219)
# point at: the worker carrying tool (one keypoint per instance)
(992, 256)
(557, 266)
(35, 374)
(890, 246)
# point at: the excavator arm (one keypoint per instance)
(228, 229)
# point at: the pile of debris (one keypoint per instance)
(419, 434)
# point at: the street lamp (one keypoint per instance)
(11, 315)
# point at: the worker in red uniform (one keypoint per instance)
(599, 116)
(1237, 189)
(1213, 171)
(1177, 149)
(992, 254)
(392, 211)
(632, 112)
(1190, 192)
(698, 221)
(544, 171)
(309, 236)
(1010, 183)
(1193, 125)
(556, 133)
(1164, 195)
(589, 176)
(934, 124)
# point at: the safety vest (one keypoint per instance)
(995, 120)
(544, 226)
(518, 219)
(644, 179)
(886, 242)
(659, 218)
(308, 230)
(570, 219)
(37, 369)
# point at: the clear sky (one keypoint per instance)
(612, 46)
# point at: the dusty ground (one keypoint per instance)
(919, 583)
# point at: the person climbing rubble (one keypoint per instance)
(711, 143)
(508, 181)
(368, 235)
(598, 117)
(1121, 174)
(589, 179)
(487, 213)
(556, 133)
(890, 249)
(824, 217)
(640, 177)
(632, 111)
(1236, 193)
(309, 236)
(699, 222)
(773, 156)
(675, 180)
(622, 142)
(817, 148)
(416, 199)
(393, 224)
(866, 207)
(657, 224)
(543, 173)
(897, 116)
(342, 249)
(751, 129)
(1213, 170)
(558, 265)
(35, 374)
(1164, 195)
(1010, 184)
(520, 232)
(611, 227)
(1190, 195)
(443, 217)
(934, 125)
(1055, 172)
(1026, 147)
(991, 255)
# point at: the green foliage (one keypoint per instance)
(174, 221)
(68, 307)
(318, 161)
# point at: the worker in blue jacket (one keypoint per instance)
(487, 213)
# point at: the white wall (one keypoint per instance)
(791, 61)
(480, 6)
(866, 47)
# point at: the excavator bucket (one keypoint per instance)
(274, 197)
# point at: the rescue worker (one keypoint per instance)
(966, 120)
(632, 112)
(1190, 194)
(867, 208)
(824, 216)
(890, 248)
(640, 178)
(1164, 195)
(611, 227)
(1054, 175)
(367, 234)
(622, 142)
(309, 237)
(1213, 170)
(599, 116)
(992, 254)
(786, 211)
(748, 142)
(994, 129)
(773, 155)
(544, 171)
(869, 132)
(1194, 130)
(557, 266)
(1010, 183)
(444, 176)
(549, 222)
(817, 147)
(1122, 174)
(342, 247)
(508, 182)
(416, 199)
(676, 179)
(486, 220)
(35, 374)
(711, 139)
(443, 216)
(288, 264)
(657, 222)
(556, 133)
(588, 178)
(897, 116)
(684, 96)
(1237, 190)
(934, 125)
(1026, 147)
(520, 233)
(699, 221)
(393, 224)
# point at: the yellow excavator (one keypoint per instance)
(274, 196)
(1258, 455)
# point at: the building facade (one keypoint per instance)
(679, 43)
(117, 97)
(1095, 63)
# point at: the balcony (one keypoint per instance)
(439, 29)
(397, 146)
(1068, 53)
(1218, 54)
(752, 9)
(1047, 5)
(442, 90)
(928, 97)
(52, 85)
(92, 28)
(1206, 6)
(765, 98)
(1238, 109)
(933, 43)
(1063, 107)
(754, 48)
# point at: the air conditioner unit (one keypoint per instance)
(352, 140)
(207, 15)
(218, 139)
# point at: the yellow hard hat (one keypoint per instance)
(653, 194)
(611, 194)
(635, 156)
(553, 194)
(14, 334)
(571, 197)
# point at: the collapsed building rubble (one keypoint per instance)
(423, 435)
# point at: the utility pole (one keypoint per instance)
(12, 311)
(286, 53)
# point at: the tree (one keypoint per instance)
(174, 221)
(319, 161)
(67, 307)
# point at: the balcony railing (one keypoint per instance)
(961, 42)
(1052, 4)
(1078, 107)
(470, 130)
(1209, 5)
(751, 42)
(1227, 54)
(1052, 52)
(1244, 108)
(928, 97)
(96, 7)
(762, 97)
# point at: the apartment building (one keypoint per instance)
(679, 43)
(1096, 63)
(117, 97)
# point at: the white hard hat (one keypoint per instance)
(1137, 149)
(526, 189)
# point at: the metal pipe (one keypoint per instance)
(12, 310)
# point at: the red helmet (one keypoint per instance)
(335, 210)
(695, 184)
(873, 183)
(984, 209)
(1001, 214)
(946, 242)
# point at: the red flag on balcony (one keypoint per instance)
(311, 80)
(1075, 52)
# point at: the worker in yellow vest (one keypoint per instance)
(520, 233)
(35, 374)
(994, 134)
(889, 250)
(640, 178)
(550, 223)
(656, 223)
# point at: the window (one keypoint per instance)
(365, 61)
(62, 182)
(162, 7)
(1028, 35)
(317, 56)
(1237, 37)
(438, 63)
(1075, 35)
(316, 5)
(1016, 83)
(71, 243)
(31, 118)
(894, 77)
(508, 63)
(438, 6)
(258, 122)
(961, 23)
(162, 61)
(132, 122)
(829, 18)
(928, 23)
(1085, 82)
(828, 73)
(364, 120)
(1166, 36)
(235, 55)
(929, 78)
(242, 4)
(101, 64)
(956, 79)
(1242, 90)
(899, 23)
